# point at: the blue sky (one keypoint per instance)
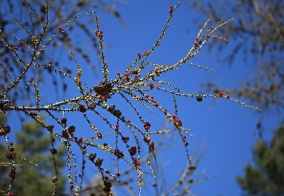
(226, 127)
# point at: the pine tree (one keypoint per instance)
(35, 171)
(266, 176)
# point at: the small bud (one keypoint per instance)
(63, 120)
(117, 113)
(54, 179)
(71, 129)
(50, 128)
(192, 167)
(92, 156)
(147, 125)
(12, 173)
(136, 162)
(99, 162)
(6, 129)
(171, 9)
(53, 151)
(147, 139)
(132, 150)
(125, 139)
(199, 98)
(99, 135)
(178, 123)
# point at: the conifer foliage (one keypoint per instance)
(34, 162)
(266, 175)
